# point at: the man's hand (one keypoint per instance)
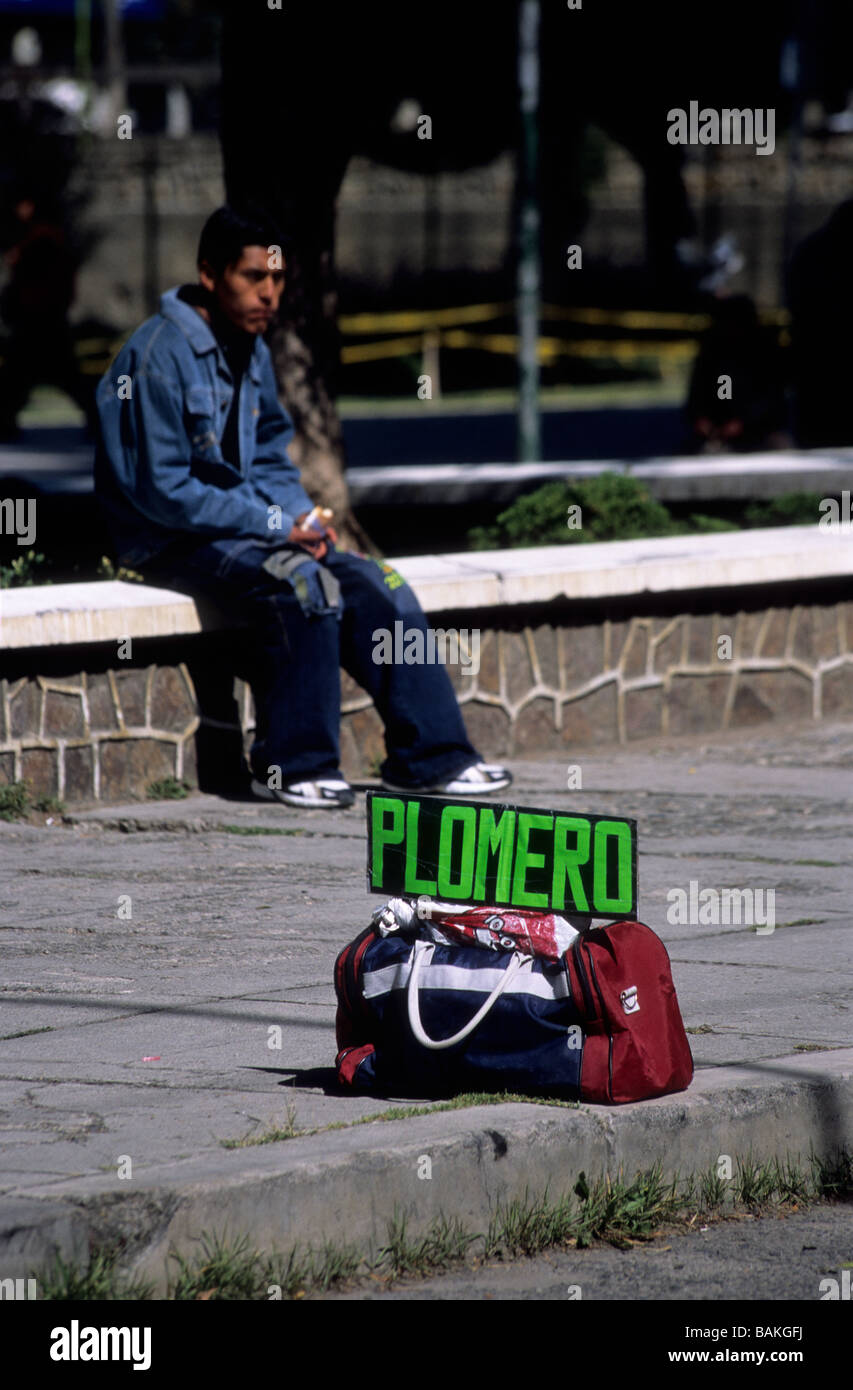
(315, 542)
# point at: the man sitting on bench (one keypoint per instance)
(194, 477)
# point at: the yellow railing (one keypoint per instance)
(424, 332)
(443, 328)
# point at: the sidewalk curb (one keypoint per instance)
(343, 1185)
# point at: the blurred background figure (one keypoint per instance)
(820, 298)
(825, 30)
(736, 401)
(34, 305)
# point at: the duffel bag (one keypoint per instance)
(601, 1023)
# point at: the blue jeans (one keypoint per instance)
(300, 648)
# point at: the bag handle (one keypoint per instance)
(421, 949)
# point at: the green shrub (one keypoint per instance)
(616, 507)
(21, 573)
(613, 507)
(789, 509)
(168, 789)
(107, 570)
(14, 801)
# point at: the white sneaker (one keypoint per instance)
(327, 794)
(477, 780)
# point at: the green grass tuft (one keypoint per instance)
(272, 1135)
(833, 1177)
(226, 1272)
(275, 1134)
(222, 1272)
(524, 1226)
(791, 1183)
(168, 789)
(608, 1208)
(99, 1282)
(713, 1190)
(14, 801)
(754, 1183)
(445, 1243)
(258, 830)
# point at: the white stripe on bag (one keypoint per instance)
(456, 977)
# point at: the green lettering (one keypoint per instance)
(384, 833)
(466, 816)
(622, 834)
(414, 884)
(567, 863)
(489, 838)
(525, 860)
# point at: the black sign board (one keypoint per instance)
(482, 854)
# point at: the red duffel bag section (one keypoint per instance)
(594, 1020)
(635, 1046)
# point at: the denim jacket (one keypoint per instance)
(159, 469)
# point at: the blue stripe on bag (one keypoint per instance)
(530, 1040)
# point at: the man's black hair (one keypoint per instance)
(227, 231)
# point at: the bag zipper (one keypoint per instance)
(348, 963)
(609, 1030)
(584, 979)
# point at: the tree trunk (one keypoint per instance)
(305, 349)
(286, 143)
(304, 86)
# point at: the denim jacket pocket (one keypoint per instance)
(200, 409)
(207, 465)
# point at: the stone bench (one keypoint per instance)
(688, 478)
(698, 479)
(110, 686)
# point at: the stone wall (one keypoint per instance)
(102, 736)
(552, 687)
(84, 733)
